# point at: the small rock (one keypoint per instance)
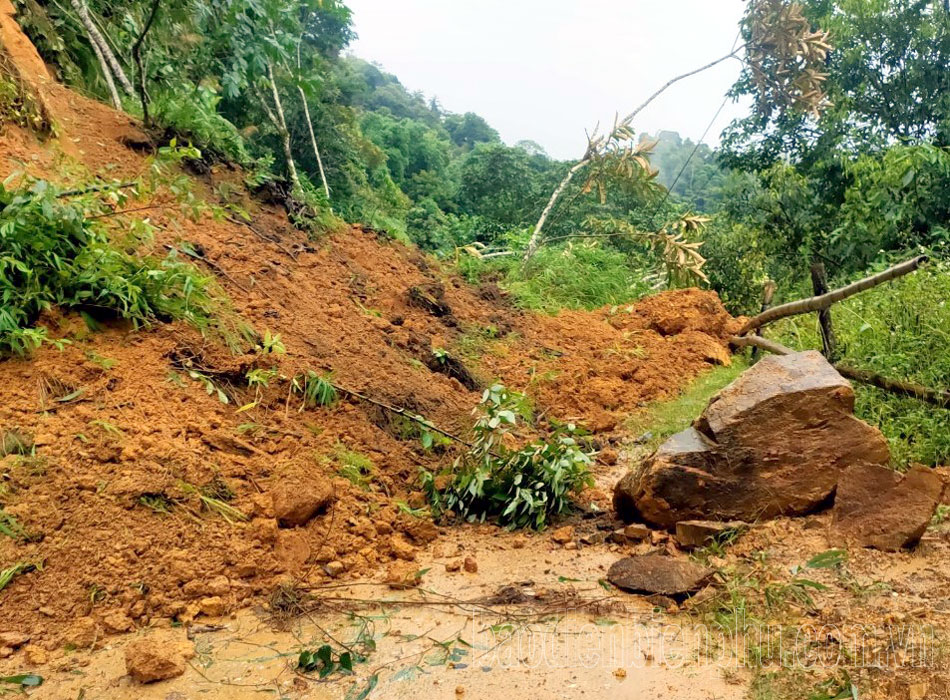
(403, 574)
(636, 532)
(297, 500)
(334, 568)
(116, 621)
(470, 565)
(83, 633)
(401, 548)
(35, 656)
(519, 542)
(460, 690)
(563, 535)
(877, 507)
(608, 456)
(218, 585)
(617, 537)
(14, 640)
(655, 573)
(593, 538)
(454, 565)
(157, 656)
(213, 606)
(5, 652)
(699, 533)
(570, 546)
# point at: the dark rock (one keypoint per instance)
(773, 442)
(655, 573)
(877, 507)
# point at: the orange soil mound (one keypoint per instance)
(141, 431)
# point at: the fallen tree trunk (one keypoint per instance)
(936, 397)
(804, 306)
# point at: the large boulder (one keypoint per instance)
(773, 442)
(656, 573)
(877, 507)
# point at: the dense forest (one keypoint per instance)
(857, 183)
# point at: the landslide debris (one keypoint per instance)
(775, 441)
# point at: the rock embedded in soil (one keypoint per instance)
(563, 535)
(659, 574)
(878, 507)
(774, 442)
(699, 533)
(157, 656)
(297, 500)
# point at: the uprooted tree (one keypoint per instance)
(785, 56)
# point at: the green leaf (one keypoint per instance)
(27, 680)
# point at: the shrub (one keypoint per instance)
(191, 114)
(518, 487)
(51, 254)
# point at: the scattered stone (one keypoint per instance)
(213, 606)
(699, 533)
(218, 585)
(563, 535)
(460, 690)
(35, 655)
(519, 542)
(454, 565)
(636, 532)
(880, 508)
(773, 442)
(655, 573)
(608, 456)
(83, 633)
(334, 568)
(297, 500)
(617, 537)
(403, 574)
(116, 621)
(570, 546)
(157, 656)
(593, 538)
(470, 565)
(401, 548)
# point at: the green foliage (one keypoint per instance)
(52, 253)
(899, 330)
(522, 487)
(325, 661)
(316, 390)
(191, 113)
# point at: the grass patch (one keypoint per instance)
(661, 419)
(355, 467)
(573, 277)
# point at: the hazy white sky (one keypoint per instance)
(547, 69)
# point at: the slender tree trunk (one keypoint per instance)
(104, 50)
(140, 68)
(313, 141)
(819, 282)
(535, 241)
(277, 117)
(103, 65)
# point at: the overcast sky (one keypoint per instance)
(547, 69)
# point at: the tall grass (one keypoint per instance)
(902, 331)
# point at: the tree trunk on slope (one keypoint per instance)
(104, 50)
(313, 141)
(280, 123)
